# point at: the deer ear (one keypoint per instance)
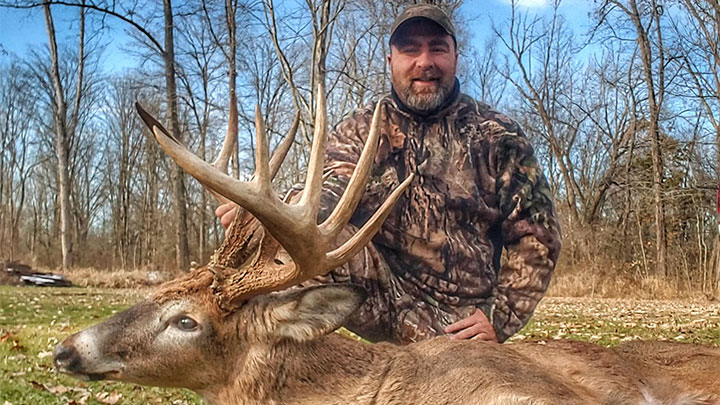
(316, 311)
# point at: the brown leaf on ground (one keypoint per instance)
(5, 336)
(108, 398)
(37, 385)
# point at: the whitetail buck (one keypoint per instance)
(224, 330)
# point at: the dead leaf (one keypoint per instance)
(43, 355)
(108, 398)
(84, 397)
(58, 389)
(17, 346)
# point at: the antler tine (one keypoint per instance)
(152, 123)
(353, 245)
(281, 151)
(262, 154)
(356, 186)
(313, 254)
(221, 162)
(351, 197)
(250, 195)
(313, 181)
(228, 145)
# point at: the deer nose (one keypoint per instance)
(66, 357)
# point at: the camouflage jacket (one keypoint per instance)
(477, 189)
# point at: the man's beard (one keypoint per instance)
(427, 100)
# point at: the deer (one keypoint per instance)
(239, 330)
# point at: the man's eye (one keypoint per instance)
(185, 323)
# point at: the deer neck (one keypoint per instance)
(333, 370)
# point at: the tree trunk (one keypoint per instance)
(655, 99)
(182, 251)
(232, 130)
(61, 145)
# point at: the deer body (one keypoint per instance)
(336, 370)
(279, 349)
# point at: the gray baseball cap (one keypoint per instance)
(428, 11)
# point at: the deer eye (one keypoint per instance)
(185, 323)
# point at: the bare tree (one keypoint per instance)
(64, 125)
(17, 152)
(645, 19)
(547, 90)
(486, 82)
(123, 162)
(699, 28)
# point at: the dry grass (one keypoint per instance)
(89, 277)
(593, 285)
(574, 277)
(596, 265)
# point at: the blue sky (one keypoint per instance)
(575, 11)
(22, 29)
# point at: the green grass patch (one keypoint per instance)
(34, 320)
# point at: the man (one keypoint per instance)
(435, 266)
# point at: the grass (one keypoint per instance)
(34, 320)
(612, 321)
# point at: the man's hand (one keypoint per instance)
(226, 213)
(475, 326)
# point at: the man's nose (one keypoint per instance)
(424, 59)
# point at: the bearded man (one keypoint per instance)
(435, 266)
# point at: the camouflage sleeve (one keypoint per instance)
(529, 233)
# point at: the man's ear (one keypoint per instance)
(312, 312)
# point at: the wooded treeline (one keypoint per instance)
(625, 118)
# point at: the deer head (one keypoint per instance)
(196, 331)
(184, 339)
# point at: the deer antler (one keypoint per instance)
(293, 226)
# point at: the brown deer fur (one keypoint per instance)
(278, 349)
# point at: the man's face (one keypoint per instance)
(423, 61)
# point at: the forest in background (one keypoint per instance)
(625, 119)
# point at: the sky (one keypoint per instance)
(21, 30)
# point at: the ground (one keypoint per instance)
(34, 320)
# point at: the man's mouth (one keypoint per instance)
(425, 80)
(424, 83)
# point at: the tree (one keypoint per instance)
(17, 150)
(645, 20)
(548, 91)
(64, 126)
(699, 28)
